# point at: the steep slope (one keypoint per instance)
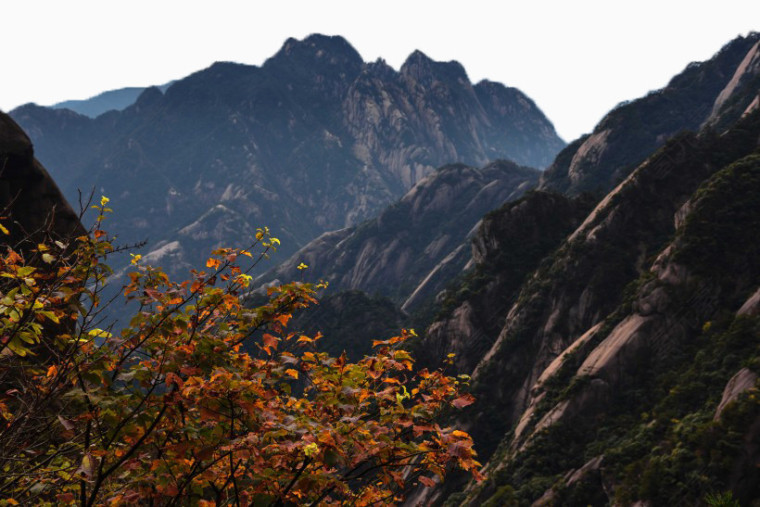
(313, 140)
(414, 247)
(31, 206)
(661, 404)
(714, 91)
(507, 246)
(576, 347)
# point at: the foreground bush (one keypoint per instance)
(201, 400)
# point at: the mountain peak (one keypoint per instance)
(424, 69)
(417, 57)
(318, 47)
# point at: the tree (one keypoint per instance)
(200, 399)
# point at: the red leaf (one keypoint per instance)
(463, 401)
(270, 342)
(427, 482)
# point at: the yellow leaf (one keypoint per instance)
(6, 232)
(311, 449)
(99, 333)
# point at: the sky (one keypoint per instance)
(576, 59)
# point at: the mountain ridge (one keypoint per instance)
(313, 140)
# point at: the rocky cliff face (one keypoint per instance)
(715, 92)
(313, 140)
(414, 247)
(508, 245)
(33, 209)
(609, 345)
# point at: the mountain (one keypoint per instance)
(313, 140)
(112, 100)
(508, 245)
(614, 355)
(415, 246)
(715, 92)
(619, 354)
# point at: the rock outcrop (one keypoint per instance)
(715, 92)
(417, 245)
(32, 206)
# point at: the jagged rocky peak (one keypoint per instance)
(380, 69)
(319, 52)
(311, 141)
(424, 70)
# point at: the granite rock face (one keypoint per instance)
(313, 140)
(418, 244)
(617, 346)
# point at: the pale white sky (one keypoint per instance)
(576, 59)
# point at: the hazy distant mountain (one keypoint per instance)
(313, 140)
(113, 100)
(417, 245)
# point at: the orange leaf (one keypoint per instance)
(270, 342)
(213, 263)
(427, 482)
(463, 401)
(52, 371)
(291, 372)
(173, 378)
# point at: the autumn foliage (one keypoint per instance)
(200, 399)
